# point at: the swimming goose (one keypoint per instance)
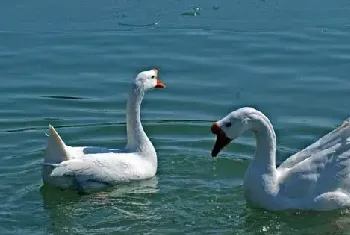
(316, 178)
(89, 168)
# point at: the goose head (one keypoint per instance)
(147, 80)
(229, 128)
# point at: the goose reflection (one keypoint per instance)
(70, 211)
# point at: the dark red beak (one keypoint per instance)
(221, 139)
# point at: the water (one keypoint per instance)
(70, 64)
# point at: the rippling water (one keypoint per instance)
(70, 64)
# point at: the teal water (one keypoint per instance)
(70, 64)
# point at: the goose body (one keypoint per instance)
(316, 178)
(88, 168)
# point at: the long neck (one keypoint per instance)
(260, 181)
(137, 138)
(265, 155)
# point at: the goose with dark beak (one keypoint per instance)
(221, 139)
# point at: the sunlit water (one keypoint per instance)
(70, 64)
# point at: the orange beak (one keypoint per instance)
(159, 82)
(221, 139)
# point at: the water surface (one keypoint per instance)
(71, 63)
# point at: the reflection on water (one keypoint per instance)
(301, 222)
(65, 207)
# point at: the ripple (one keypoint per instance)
(194, 12)
(63, 97)
(138, 25)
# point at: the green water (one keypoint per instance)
(70, 64)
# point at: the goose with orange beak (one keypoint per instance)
(89, 168)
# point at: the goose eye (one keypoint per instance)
(228, 124)
(153, 76)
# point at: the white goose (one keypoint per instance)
(90, 168)
(316, 178)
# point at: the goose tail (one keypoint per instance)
(55, 151)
